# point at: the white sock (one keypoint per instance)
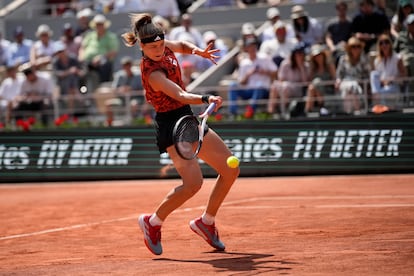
(155, 220)
(207, 219)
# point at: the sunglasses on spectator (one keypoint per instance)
(384, 42)
(356, 46)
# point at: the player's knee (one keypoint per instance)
(193, 187)
(231, 173)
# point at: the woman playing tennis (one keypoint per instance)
(164, 89)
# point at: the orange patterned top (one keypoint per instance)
(169, 65)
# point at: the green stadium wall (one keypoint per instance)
(349, 145)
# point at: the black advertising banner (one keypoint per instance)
(376, 144)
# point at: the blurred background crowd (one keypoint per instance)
(355, 60)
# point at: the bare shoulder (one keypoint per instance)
(173, 45)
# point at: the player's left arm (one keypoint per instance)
(188, 48)
(160, 82)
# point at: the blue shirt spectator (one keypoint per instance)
(19, 51)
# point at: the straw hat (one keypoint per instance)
(44, 29)
(297, 12)
(99, 19)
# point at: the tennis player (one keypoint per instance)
(164, 89)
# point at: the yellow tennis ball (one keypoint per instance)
(232, 162)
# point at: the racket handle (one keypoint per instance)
(210, 109)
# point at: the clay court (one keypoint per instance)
(318, 225)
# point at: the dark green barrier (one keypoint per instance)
(377, 144)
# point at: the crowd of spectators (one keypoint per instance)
(361, 59)
(299, 58)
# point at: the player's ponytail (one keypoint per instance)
(143, 29)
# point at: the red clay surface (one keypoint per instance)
(329, 225)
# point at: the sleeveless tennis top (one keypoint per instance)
(169, 65)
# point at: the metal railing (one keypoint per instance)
(110, 109)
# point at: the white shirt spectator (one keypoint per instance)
(41, 89)
(269, 32)
(42, 50)
(273, 47)
(187, 28)
(10, 89)
(4, 49)
(256, 80)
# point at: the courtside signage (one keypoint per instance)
(378, 144)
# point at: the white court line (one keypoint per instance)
(229, 203)
(389, 205)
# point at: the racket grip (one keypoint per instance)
(210, 108)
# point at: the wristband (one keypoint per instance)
(205, 99)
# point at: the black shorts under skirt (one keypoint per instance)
(164, 125)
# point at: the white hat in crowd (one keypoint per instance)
(99, 19)
(272, 13)
(44, 29)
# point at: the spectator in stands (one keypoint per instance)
(255, 75)
(71, 41)
(125, 6)
(247, 31)
(280, 46)
(10, 89)
(307, 29)
(4, 49)
(19, 51)
(127, 81)
(273, 17)
(369, 23)
(388, 67)
(98, 51)
(322, 71)
(36, 95)
(127, 85)
(195, 60)
(217, 43)
(186, 27)
(68, 71)
(165, 8)
(352, 68)
(404, 45)
(293, 74)
(405, 8)
(83, 19)
(338, 30)
(42, 50)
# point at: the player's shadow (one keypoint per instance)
(239, 262)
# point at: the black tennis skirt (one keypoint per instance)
(164, 126)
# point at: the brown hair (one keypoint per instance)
(141, 27)
(380, 53)
(353, 41)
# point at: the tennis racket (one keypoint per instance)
(188, 133)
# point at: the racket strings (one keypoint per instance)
(187, 136)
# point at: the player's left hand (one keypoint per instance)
(209, 53)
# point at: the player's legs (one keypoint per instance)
(215, 153)
(192, 178)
